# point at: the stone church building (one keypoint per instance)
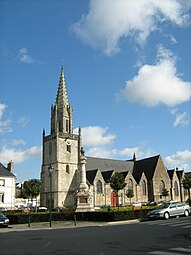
(81, 182)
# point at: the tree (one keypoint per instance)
(129, 193)
(31, 189)
(165, 193)
(186, 182)
(117, 182)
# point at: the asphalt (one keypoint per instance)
(62, 224)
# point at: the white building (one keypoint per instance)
(7, 186)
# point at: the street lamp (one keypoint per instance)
(50, 169)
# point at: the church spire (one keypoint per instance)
(62, 97)
(61, 112)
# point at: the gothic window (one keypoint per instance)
(176, 193)
(2, 182)
(67, 169)
(1, 197)
(99, 187)
(144, 187)
(162, 187)
(67, 126)
(68, 148)
(130, 184)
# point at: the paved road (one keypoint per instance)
(172, 237)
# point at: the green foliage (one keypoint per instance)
(186, 182)
(165, 193)
(129, 193)
(31, 189)
(117, 182)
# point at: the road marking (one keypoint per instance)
(180, 224)
(164, 253)
(181, 249)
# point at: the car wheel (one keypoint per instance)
(186, 213)
(166, 215)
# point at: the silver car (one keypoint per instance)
(170, 209)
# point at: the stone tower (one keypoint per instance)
(61, 150)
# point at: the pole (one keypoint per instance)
(50, 199)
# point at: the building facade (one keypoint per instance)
(7, 187)
(62, 152)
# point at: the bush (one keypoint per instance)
(20, 218)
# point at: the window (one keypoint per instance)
(67, 126)
(1, 197)
(144, 187)
(130, 184)
(68, 148)
(99, 187)
(2, 182)
(67, 169)
(162, 187)
(176, 193)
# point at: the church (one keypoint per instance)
(82, 182)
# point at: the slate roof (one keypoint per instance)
(107, 175)
(108, 164)
(90, 175)
(5, 172)
(147, 165)
(170, 173)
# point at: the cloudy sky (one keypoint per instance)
(127, 68)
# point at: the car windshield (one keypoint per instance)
(164, 205)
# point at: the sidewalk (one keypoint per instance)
(62, 224)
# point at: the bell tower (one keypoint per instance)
(61, 150)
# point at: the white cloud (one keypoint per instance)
(4, 124)
(18, 142)
(19, 156)
(23, 121)
(24, 57)
(157, 84)
(95, 135)
(109, 21)
(182, 119)
(181, 159)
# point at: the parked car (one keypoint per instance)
(4, 221)
(41, 209)
(170, 209)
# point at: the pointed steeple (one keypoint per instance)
(62, 97)
(61, 112)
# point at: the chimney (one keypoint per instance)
(10, 166)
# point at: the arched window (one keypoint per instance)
(67, 126)
(176, 192)
(99, 187)
(67, 169)
(144, 187)
(162, 187)
(130, 184)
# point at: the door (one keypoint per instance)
(113, 198)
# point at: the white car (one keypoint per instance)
(170, 209)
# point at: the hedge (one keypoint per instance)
(20, 218)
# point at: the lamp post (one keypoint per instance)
(50, 169)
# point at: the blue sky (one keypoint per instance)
(127, 69)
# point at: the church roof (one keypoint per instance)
(90, 175)
(108, 164)
(107, 175)
(62, 97)
(170, 173)
(5, 172)
(147, 165)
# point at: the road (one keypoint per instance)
(172, 237)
